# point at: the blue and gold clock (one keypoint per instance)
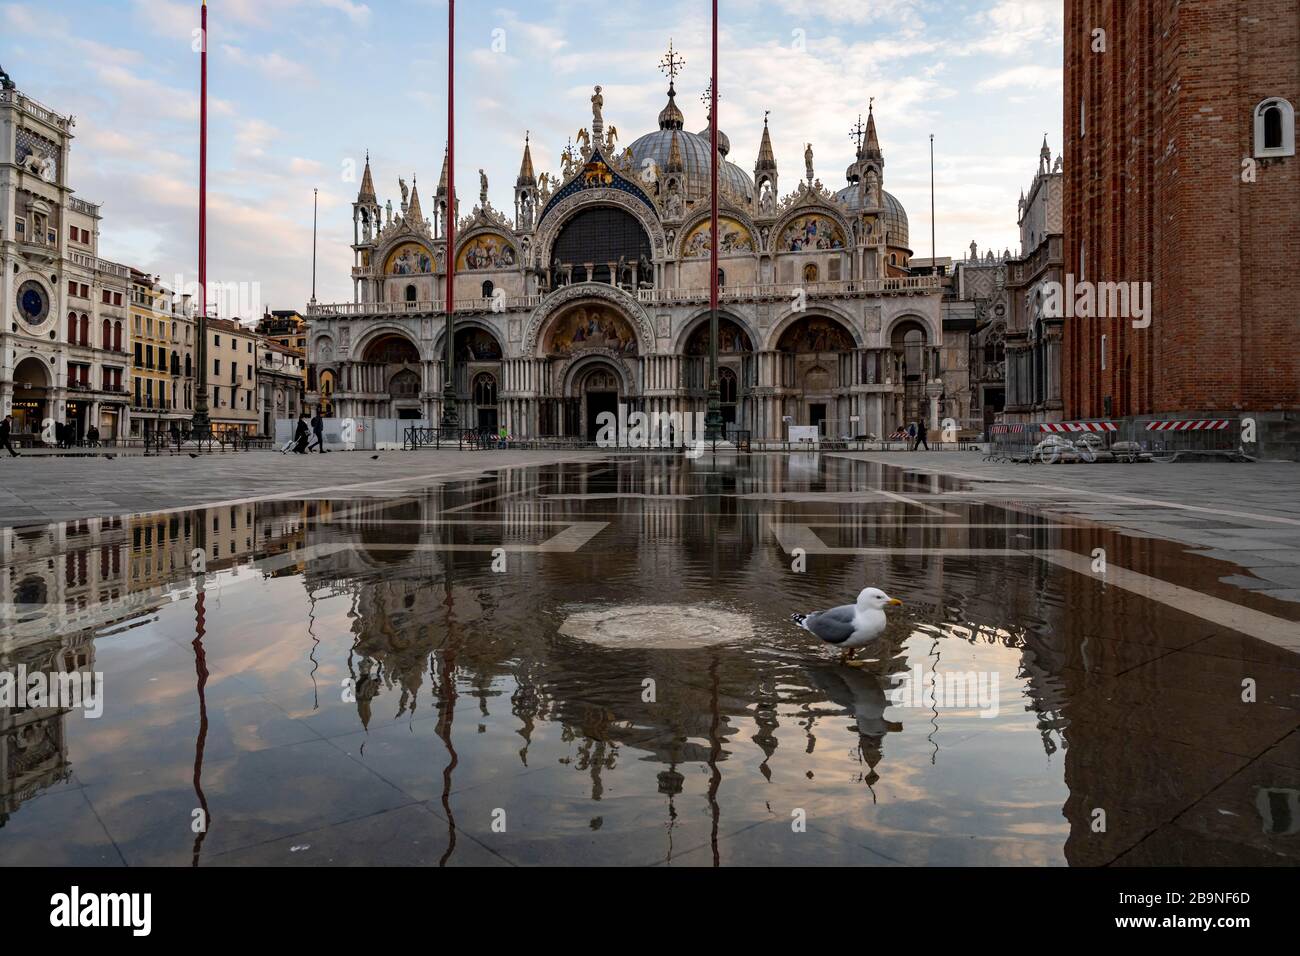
(33, 302)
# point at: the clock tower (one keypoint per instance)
(64, 335)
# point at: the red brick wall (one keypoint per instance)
(1153, 192)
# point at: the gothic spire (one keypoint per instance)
(367, 194)
(442, 180)
(413, 214)
(526, 175)
(766, 156)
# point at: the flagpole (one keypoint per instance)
(934, 262)
(450, 416)
(201, 425)
(713, 420)
(315, 213)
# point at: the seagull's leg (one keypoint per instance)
(851, 662)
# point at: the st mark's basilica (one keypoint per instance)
(596, 292)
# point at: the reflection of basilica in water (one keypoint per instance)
(397, 597)
(596, 292)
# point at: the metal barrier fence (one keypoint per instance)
(469, 439)
(1139, 439)
(150, 445)
(1186, 438)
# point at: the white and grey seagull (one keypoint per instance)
(850, 626)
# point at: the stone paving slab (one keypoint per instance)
(1243, 514)
(38, 490)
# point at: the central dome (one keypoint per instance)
(695, 150)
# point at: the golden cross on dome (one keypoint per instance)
(672, 63)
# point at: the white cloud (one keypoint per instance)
(1027, 77)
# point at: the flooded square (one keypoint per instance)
(594, 663)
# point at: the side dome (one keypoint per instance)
(895, 220)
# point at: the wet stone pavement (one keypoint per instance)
(400, 676)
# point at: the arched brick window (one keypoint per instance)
(1274, 128)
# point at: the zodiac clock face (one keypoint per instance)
(33, 302)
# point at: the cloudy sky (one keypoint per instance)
(300, 89)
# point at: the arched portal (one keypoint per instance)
(811, 373)
(912, 367)
(389, 378)
(735, 365)
(31, 396)
(594, 390)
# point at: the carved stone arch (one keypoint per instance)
(933, 336)
(375, 332)
(702, 316)
(821, 310)
(574, 368)
(808, 209)
(724, 211)
(468, 322)
(46, 366)
(570, 206)
(598, 292)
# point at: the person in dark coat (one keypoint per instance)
(6, 442)
(300, 436)
(318, 431)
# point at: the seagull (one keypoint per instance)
(850, 626)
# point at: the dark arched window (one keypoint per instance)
(72, 328)
(410, 293)
(727, 386)
(488, 289)
(405, 384)
(117, 336)
(600, 236)
(106, 340)
(485, 390)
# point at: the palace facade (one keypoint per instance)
(595, 292)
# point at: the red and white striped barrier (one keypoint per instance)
(1191, 425)
(1014, 428)
(1078, 427)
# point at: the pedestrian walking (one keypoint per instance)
(911, 436)
(6, 429)
(318, 430)
(920, 437)
(300, 436)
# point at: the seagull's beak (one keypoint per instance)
(893, 601)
